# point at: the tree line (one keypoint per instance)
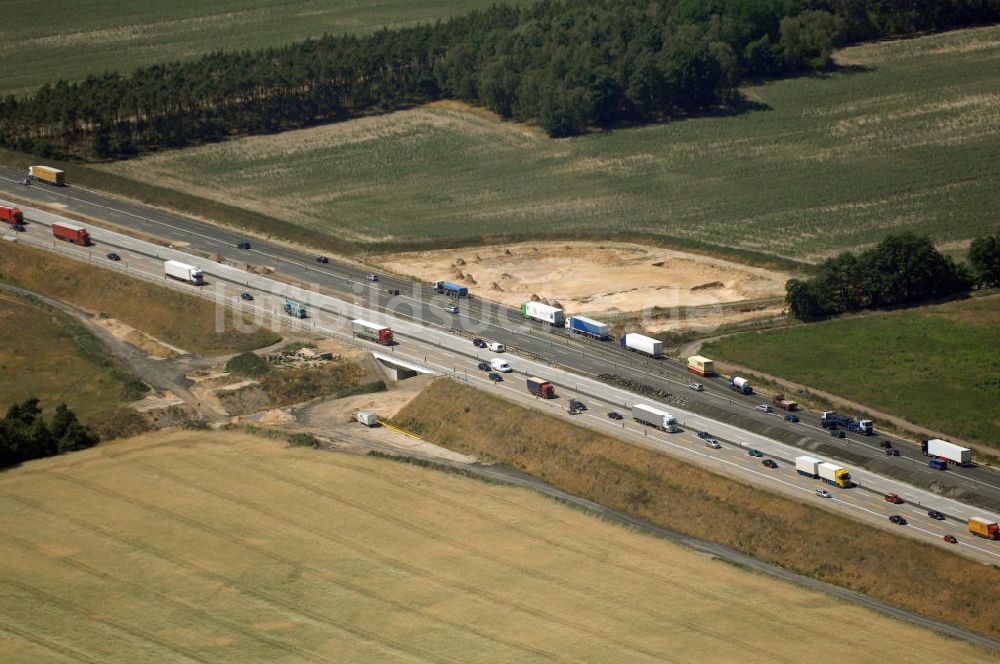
(901, 270)
(25, 435)
(567, 65)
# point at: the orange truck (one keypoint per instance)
(780, 401)
(47, 174)
(12, 216)
(984, 528)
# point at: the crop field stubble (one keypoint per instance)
(45, 42)
(225, 547)
(903, 137)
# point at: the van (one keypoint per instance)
(500, 365)
(496, 347)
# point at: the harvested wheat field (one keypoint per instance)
(595, 277)
(224, 547)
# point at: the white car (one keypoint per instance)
(496, 347)
(764, 408)
(451, 309)
(713, 443)
(697, 387)
(500, 365)
(823, 493)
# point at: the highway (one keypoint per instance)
(449, 354)
(483, 318)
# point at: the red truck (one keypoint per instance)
(12, 216)
(541, 388)
(780, 401)
(71, 233)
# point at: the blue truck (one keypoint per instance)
(448, 288)
(831, 420)
(293, 308)
(938, 463)
(587, 326)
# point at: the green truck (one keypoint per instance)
(293, 308)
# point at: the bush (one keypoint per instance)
(303, 440)
(247, 364)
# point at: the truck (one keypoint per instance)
(938, 463)
(71, 233)
(587, 326)
(831, 420)
(780, 401)
(12, 216)
(452, 289)
(701, 365)
(834, 475)
(293, 308)
(942, 448)
(655, 417)
(864, 427)
(183, 272)
(808, 466)
(47, 174)
(541, 388)
(640, 343)
(741, 385)
(372, 331)
(543, 313)
(981, 527)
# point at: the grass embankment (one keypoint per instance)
(936, 366)
(829, 167)
(120, 35)
(181, 320)
(221, 547)
(680, 496)
(48, 355)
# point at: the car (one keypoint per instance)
(246, 296)
(951, 539)
(892, 451)
(615, 415)
(763, 407)
(322, 259)
(823, 493)
(114, 257)
(791, 418)
(372, 278)
(496, 347)
(886, 444)
(713, 443)
(934, 514)
(495, 377)
(243, 245)
(755, 453)
(704, 435)
(837, 433)
(577, 404)
(697, 387)
(392, 291)
(769, 463)
(451, 309)
(478, 343)
(898, 520)
(893, 498)
(483, 366)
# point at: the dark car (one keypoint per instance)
(495, 377)
(243, 245)
(934, 514)
(246, 296)
(951, 539)
(898, 520)
(114, 257)
(478, 343)
(887, 444)
(615, 415)
(372, 278)
(837, 433)
(483, 366)
(704, 435)
(892, 451)
(769, 463)
(392, 291)
(791, 418)
(322, 259)
(755, 453)
(577, 405)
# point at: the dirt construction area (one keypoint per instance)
(588, 277)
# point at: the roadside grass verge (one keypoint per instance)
(685, 498)
(936, 366)
(181, 320)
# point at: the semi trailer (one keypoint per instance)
(47, 174)
(935, 447)
(701, 366)
(640, 343)
(543, 313)
(372, 331)
(587, 326)
(71, 233)
(183, 272)
(450, 288)
(655, 417)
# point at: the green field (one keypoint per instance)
(213, 547)
(42, 42)
(47, 355)
(937, 366)
(905, 140)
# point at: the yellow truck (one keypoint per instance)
(984, 528)
(702, 366)
(47, 174)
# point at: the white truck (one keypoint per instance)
(183, 272)
(808, 466)
(942, 448)
(543, 313)
(640, 343)
(368, 418)
(655, 417)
